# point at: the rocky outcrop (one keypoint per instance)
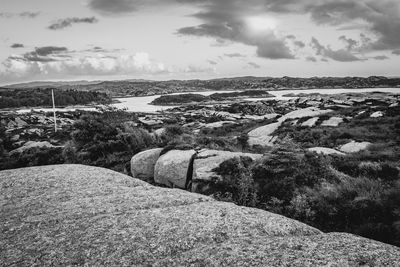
(172, 168)
(377, 114)
(205, 164)
(354, 147)
(86, 216)
(143, 163)
(310, 122)
(325, 151)
(31, 144)
(332, 122)
(263, 135)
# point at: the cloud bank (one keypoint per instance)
(68, 22)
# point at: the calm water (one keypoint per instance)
(142, 103)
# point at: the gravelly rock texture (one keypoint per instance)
(142, 164)
(80, 215)
(172, 168)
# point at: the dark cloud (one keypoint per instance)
(311, 59)
(110, 7)
(396, 52)
(16, 45)
(350, 43)
(254, 65)
(212, 62)
(341, 55)
(44, 54)
(64, 23)
(234, 55)
(382, 57)
(267, 44)
(22, 14)
(300, 44)
(383, 18)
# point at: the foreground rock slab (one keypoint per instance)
(86, 216)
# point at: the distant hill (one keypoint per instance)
(145, 87)
(37, 84)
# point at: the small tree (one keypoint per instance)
(243, 141)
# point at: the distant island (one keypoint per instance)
(180, 99)
(125, 88)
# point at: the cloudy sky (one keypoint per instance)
(185, 39)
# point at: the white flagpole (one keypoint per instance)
(54, 111)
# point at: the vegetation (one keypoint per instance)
(357, 193)
(179, 99)
(198, 98)
(15, 98)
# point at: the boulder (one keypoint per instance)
(15, 138)
(325, 151)
(20, 123)
(354, 147)
(377, 114)
(310, 122)
(31, 144)
(332, 122)
(143, 163)
(205, 163)
(75, 215)
(172, 168)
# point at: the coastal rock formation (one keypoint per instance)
(310, 122)
(142, 164)
(354, 147)
(325, 151)
(205, 163)
(332, 122)
(86, 216)
(31, 144)
(263, 135)
(172, 168)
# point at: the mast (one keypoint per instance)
(54, 111)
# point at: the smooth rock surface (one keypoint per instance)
(172, 168)
(143, 163)
(332, 122)
(377, 114)
(263, 135)
(325, 151)
(32, 144)
(310, 122)
(78, 215)
(354, 147)
(207, 160)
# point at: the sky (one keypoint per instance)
(197, 39)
